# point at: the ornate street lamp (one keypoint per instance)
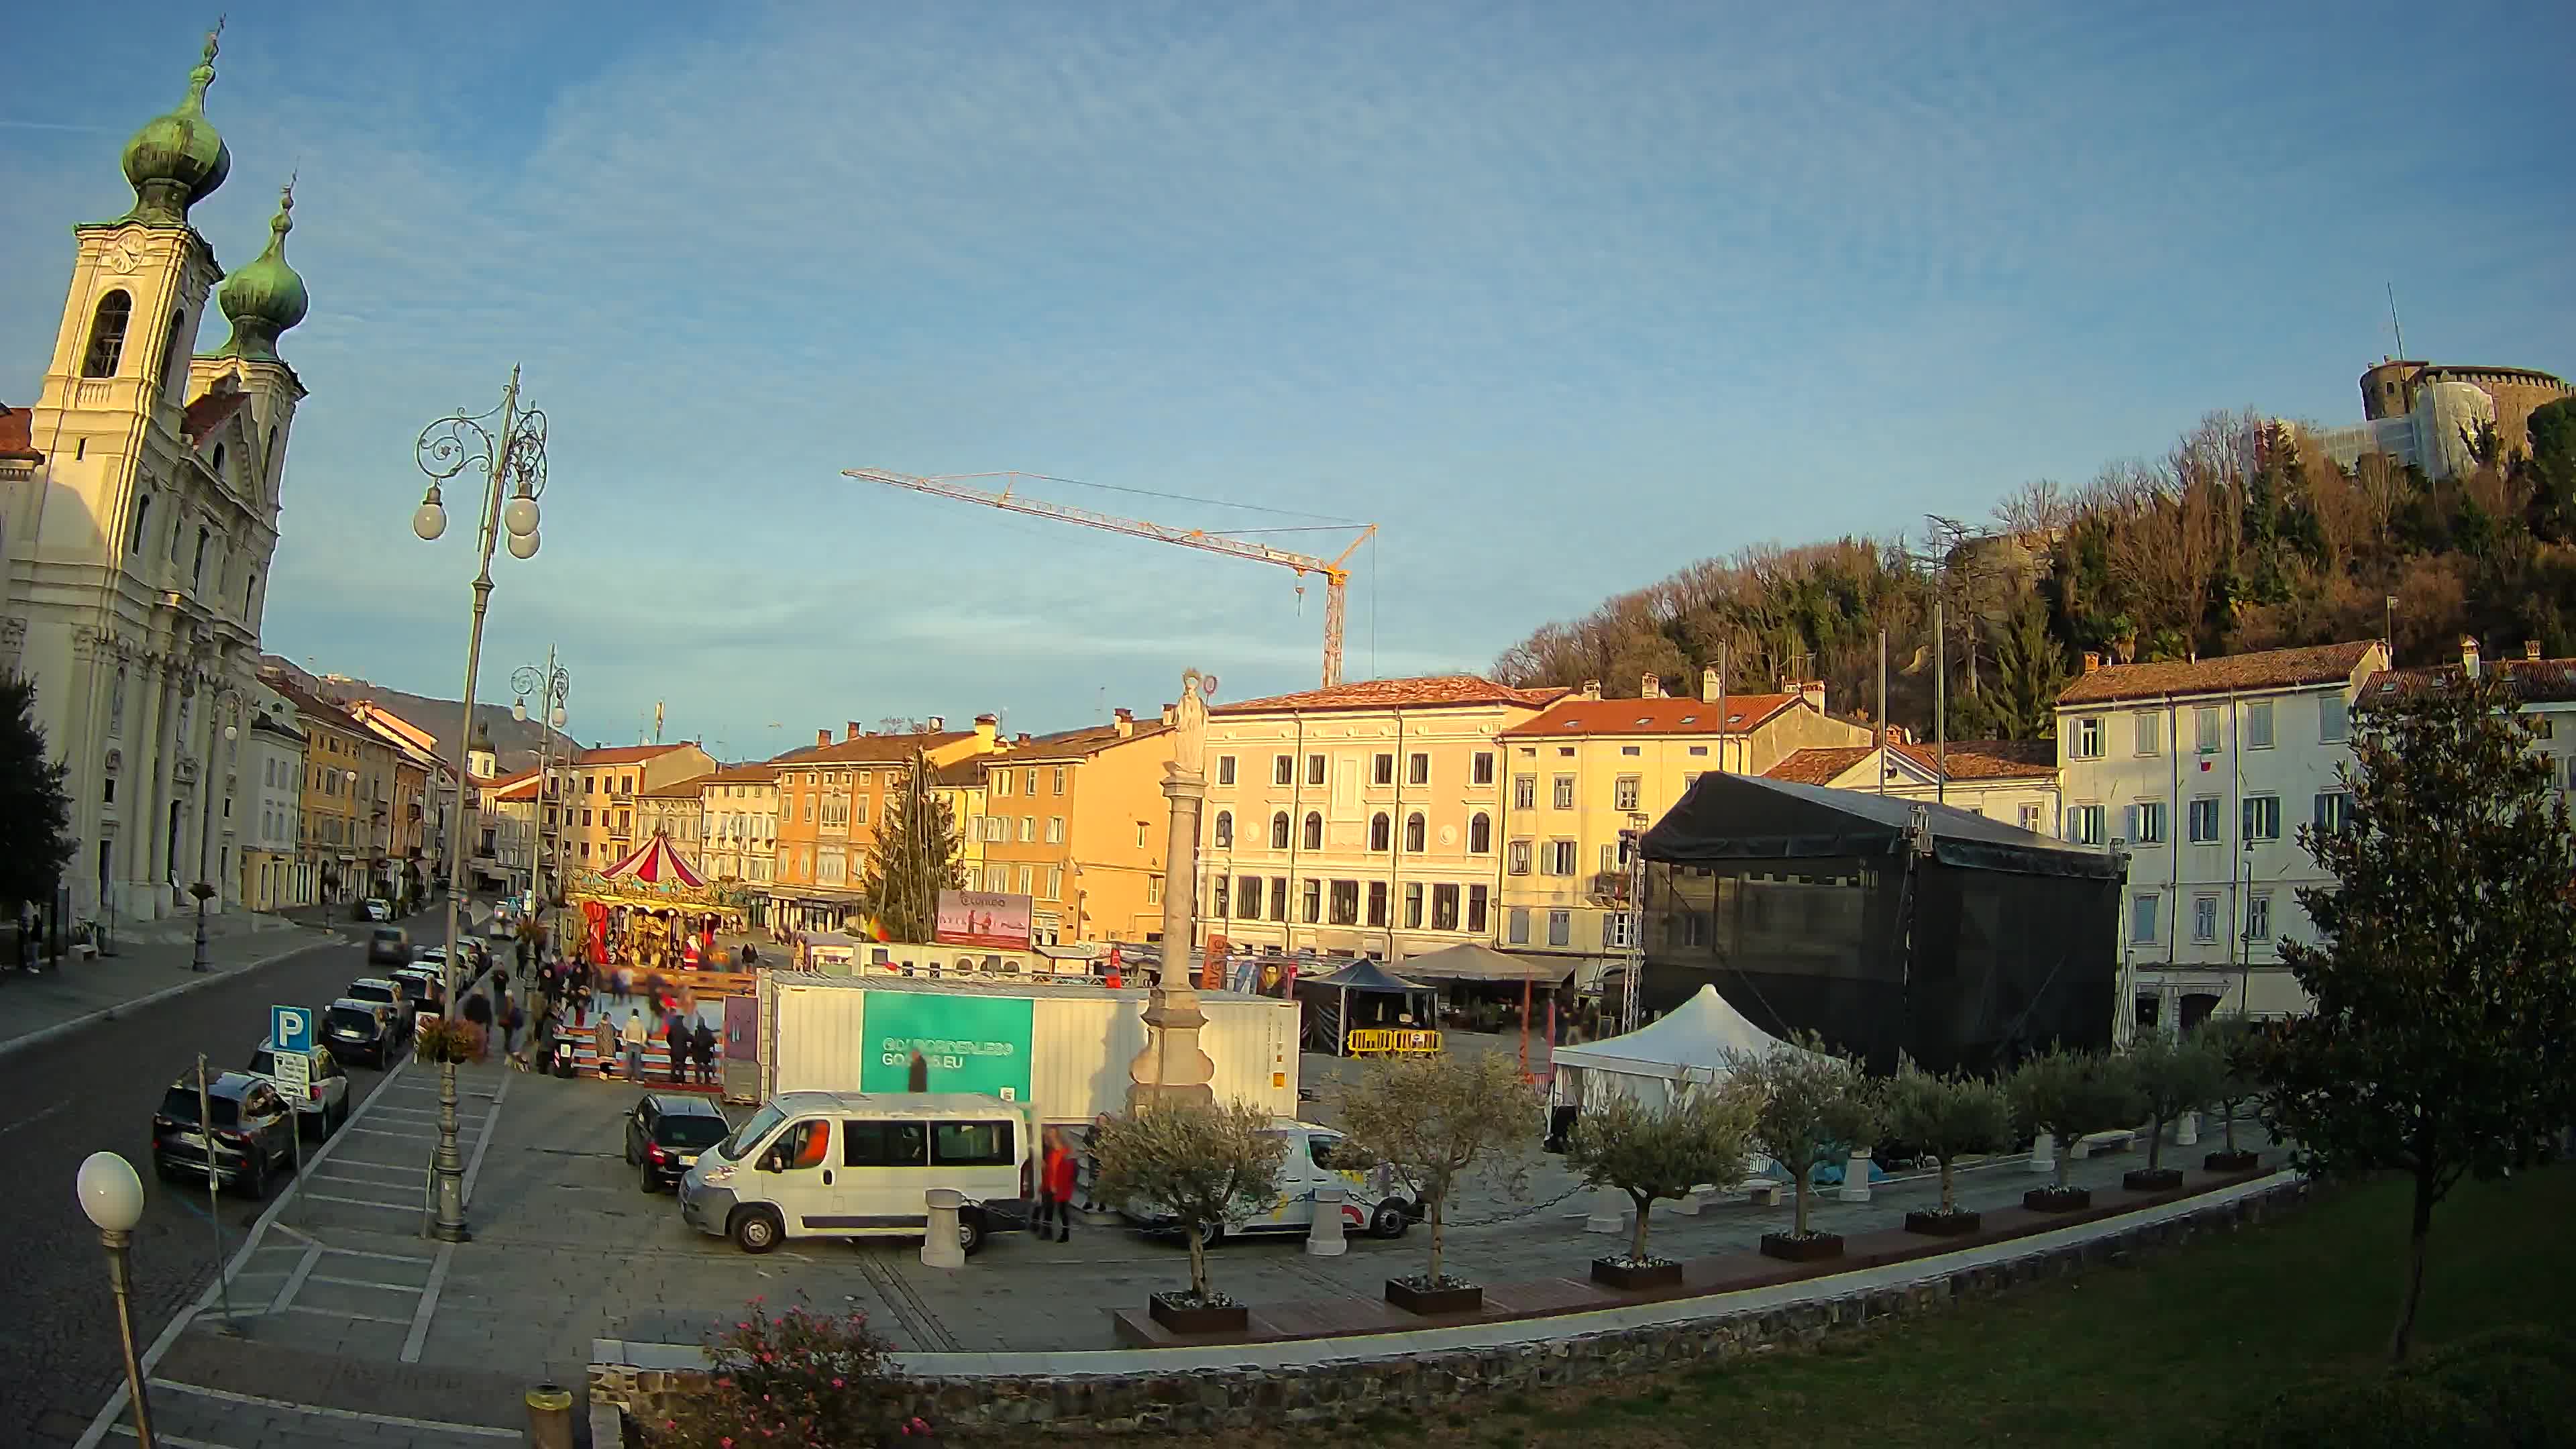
(112, 1196)
(508, 447)
(553, 686)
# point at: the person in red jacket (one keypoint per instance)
(1056, 1172)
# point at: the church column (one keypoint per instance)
(80, 740)
(140, 795)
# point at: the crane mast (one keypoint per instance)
(1335, 571)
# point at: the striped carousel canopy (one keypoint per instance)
(656, 863)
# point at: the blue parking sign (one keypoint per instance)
(291, 1028)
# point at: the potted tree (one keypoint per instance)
(1204, 1166)
(1651, 1153)
(1433, 1120)
(1947, 1118)
(2237, 1043)
(1808, 1105)
(2070, 1094)
(2174, 1076)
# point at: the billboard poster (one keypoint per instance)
(965, 1043)
(983, 918)
(1212, 965)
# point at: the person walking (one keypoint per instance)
(604, 1041)
(677, 1040)
(1055, 1188)
(634, 1035)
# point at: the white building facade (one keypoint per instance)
(2202, 773)
(272, 769)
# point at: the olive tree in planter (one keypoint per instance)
(2174, 1075)
(2069, 1095)
(1947, 1118)
(1655, 1152)
(1434, 1120)
(2237, 1043)
(1204, 1166)
(1808, 1105)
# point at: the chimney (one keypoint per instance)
(1023, 738)
(1591, 689)
(1709, 685)
(2531, 651)
(937, 725)
(1813, 692)
(2469, 655)
(850, 729)
(2092, 661)
(1171, 713)
(1651, 687)
(1125, 721)
(822, 738)
(986, 727)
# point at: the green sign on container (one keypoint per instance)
(969, 1043)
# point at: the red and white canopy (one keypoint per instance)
(657, 862)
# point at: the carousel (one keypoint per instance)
(655, 911)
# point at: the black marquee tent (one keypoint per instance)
(1890, 926)
(1329, 1015)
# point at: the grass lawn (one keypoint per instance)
(2167, 1350)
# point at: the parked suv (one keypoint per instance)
(325, 1100)
(384, 992)
(388, 946)
(423, 990)
(360, 1031)
(665, 1134)
(253, 1133)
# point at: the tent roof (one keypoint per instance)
(1468, 961)
(656, 862)
(1750, 817)
(1693, 1039)
(1363, 974)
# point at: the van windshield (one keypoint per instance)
(762, 1123)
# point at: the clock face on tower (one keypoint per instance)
(124, 255)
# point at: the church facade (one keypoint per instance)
(139, 522)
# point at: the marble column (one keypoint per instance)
(1172, 1068)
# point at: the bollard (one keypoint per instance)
(939, 1245)
(2043, 1153)
(1856, 1176)
(1688, 1205)
(2187, 1130)
(1324, 1238)
(549, 1417)
(1609, 1211)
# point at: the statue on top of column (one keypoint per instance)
(1189, 724)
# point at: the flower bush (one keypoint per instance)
(794, 1380)
(450, 1039)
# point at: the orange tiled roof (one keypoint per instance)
(2265, 669)
(1427, 691)
(1968, 760)
(688, 789)
(208, 413)
(1079, 744)
(627, 754)
(870, 749)
(1666, 716)
(1819, 766)
(17, 435)
(2535, 681)
(757, 774)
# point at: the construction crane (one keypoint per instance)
(1337, 576)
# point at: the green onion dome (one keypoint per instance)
(177, 159)
(266, 297)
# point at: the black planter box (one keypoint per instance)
(2232, 1161)
(1813, 1248)
(1943, 1225)
(1636, 1280)
(1187, 1319)
(2151, 1179)
(1459, 1298)
(2057, 1200)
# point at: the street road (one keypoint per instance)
(97, 1089)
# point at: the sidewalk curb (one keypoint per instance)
(62, 1029)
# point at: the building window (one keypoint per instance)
(1001, 782)
(142, 512)
(1444, 908)
(1516, 926)
(1413, 905)
(2258, 725)
(2142, 918)
(2087, 744)
(1219, 905)
(1248, 890)
(1413, 833)
(1029, 782)
(2258, 916)
(2334, 811)
(1623, 793)
(1055, 831)
(1225, 769)
(1516, 857)
(2150, 732)
(1346, 903)
(107, 335)
(1314, 911)
(1377, 903)
(1279, 899)
(1314, 830)
(1557, 858)
(2204, 919)
(1381, 829)
(1382, 770)
(2334, 720)
(2084, 825)
(1028, 880)
(1480, 834)
(1417, 770)
(2147, 823)
(1563, 797)
(2205, 728)
(1059, 779)
(1279, 831)
(1314, 769)
(1225, 830)
(1560, 928)
(1028, 829)
(2262, 817)
(1153, 888)
(1609, 858)
(1283, 769)
(2203, 820)
(1477, 898)
(1480, 768)
(1525, 792)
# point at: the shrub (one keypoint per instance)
(2387, 1413)
(1810, 1104)
(1205, 1165)
(796, 1378)
(2237, 1043)
(2070, 1094)
(2174, 1076)
(1949, 1117)
(1434, 1119)
(1661, 1152)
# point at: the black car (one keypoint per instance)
(665, 1134)
(381, 991)
(253, 1136)
(360, 1031)
(388, 946)
(423, 989)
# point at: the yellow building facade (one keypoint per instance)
(738, 807)
(600, 811)
(1077, 822)
(831, 799)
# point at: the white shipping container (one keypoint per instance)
(814, 1036)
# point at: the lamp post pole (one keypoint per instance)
(512, 458)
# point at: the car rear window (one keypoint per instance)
(264, 1063)
(691, 1131)
(972, 1144)
(181, 1103)
(351, 1016)
(371, 993)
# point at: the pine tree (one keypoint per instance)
(916, 856)
(35, 810)
(2029, 671)
(2443, 974)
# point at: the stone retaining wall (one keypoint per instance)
(1243, 1397)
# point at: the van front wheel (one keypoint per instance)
(755, 1230)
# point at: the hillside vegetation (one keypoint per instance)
(2232, 541)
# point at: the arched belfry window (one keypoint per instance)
(170, 351)
(107, 335)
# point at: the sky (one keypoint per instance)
(1561, 298)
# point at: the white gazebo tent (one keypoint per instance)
(1689, 1045)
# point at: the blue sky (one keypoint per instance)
(1562, 297)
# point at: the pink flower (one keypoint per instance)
(836, 1383)
(725, 1443)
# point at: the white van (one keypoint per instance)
(855, 1165)
(1375, 1201)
